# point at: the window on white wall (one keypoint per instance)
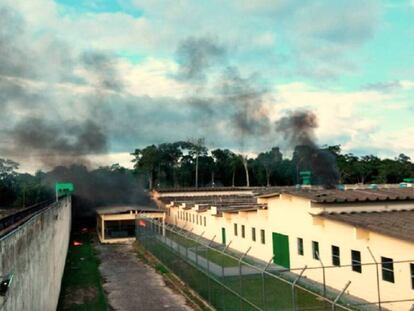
(254, 234)
(315, 250)
(235, 229)
(205, 221)
(412, 275)
(300, 246)
(356, 261)
(387, 267)
(336, 256)
(243, 231)
(262, 236)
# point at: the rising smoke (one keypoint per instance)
(298, 129)
(242, 101)
(238, 99)
(40, 120)
(196, 56)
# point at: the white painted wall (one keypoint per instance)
(292, 216)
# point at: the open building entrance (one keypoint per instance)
(117, 224)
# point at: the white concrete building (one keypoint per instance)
(346, 231)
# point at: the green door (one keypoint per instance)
(223, 236)
(281, 250)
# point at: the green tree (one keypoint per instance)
(269, 160)
(170, 157)
(196, 148)
(8, 185)
(147, 160)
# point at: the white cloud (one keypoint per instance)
(150, 78)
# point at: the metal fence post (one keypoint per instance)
(241, 275)
(263, 282)
(378, 282)
(293, 288)
(208, 269)
(222, 261)
(340, 295)
(323, 274)
(197, 241)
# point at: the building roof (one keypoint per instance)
(246, 190)
(222, 202)
(398, 224)
(119, 209)
(355, 195)
(205, 189)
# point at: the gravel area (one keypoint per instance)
(132, 285)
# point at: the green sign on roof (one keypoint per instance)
(64, 188)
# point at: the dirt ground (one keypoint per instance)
(132, 285)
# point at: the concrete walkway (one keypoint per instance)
(132, 285)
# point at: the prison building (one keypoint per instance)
(365, 236)
(117, 224)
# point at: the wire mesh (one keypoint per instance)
(225, 281)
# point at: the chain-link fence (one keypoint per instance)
(228, 281)
(377, 279)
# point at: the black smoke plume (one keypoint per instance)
(298, 128)
(196, 56)
(105, 186)
(55, 143)
(54, 114)
(30, 76)
(238, 99)
(249, 114)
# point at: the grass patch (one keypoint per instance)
(181, 240)
(218, 258)
(81, 287)
(277, 294)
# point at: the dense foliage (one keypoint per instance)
(105, 185)
(187, 164)
(175, 165)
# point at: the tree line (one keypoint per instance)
(191, 164)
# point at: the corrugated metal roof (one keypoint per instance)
(222, 202)
(398, 224)
(355, 195)
(118, 209)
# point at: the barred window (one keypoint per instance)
(387, 265)
(315, 250)
(262, 236)
(336, 256)
(356, 261)
(412, 274)
(300, 246)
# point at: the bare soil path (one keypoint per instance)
(131, 285)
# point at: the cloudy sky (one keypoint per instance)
(102, 77)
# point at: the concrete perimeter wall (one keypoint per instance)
(35, 253)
